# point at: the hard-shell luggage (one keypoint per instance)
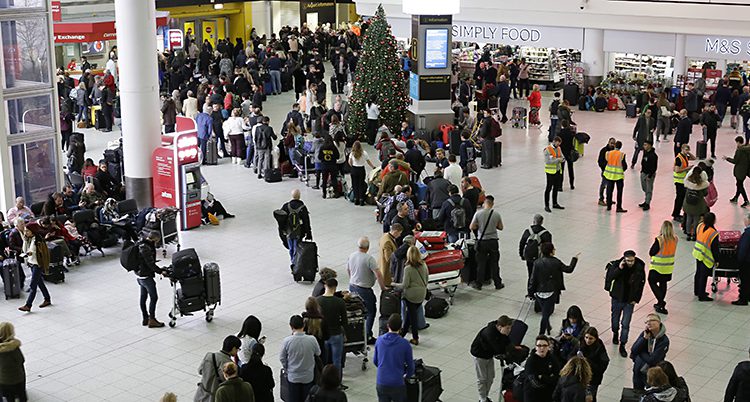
(432, 240)
(190, 304)
(212, 152)
(455, 141)
(425, 386)
(192, 286)
(436, 307)
(729, 238)
(305, 261)
(534, 116)
(498, 153)
(382, 325)
(630, 395)
(99, 119)
(55, 274)
(212, 281)
(518, 117)
(272, 175)
(444, 261)
(390, 303)
(702, 149)
(286, 81)
(11, 278)
(185, 264)
(630, 110)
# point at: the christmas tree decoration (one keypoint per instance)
(378, 73)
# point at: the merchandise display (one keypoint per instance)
(641, 66)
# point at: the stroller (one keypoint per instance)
(518, 117)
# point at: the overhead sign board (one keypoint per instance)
(175, 38)
(718, 47)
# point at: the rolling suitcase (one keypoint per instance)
(286, 81)
(432, 240)
(213, 283)
(55, 253)
(426, 385)
(455, 142)
(55, 274)
(272, 175)
(212, 152)
(570, 93)
(334, 85)
(630, 110)
(390, 303)
(100, 123)
(444, 261)
(702, 149)
(11, 278)
(498, 153)
(185, 264)
(192, 286)
(305, 261)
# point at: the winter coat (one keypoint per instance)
(260, 377)
(627, 284)
(568, 389)
(12, 371)
(169, 112)
(234, 389)
(741, 161)
(649, 352)
(542, 374)
(597, 357)
(738, 388)
(489, 342)
(700, 207)
(547, 276)
(643, 130)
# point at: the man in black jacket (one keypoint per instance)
(528, 247)
(738, 389)
(491, 341)
(602, 165)
(503, 97)
(146, 272)
(649, 162)
(415, 159)
(264, 138)
(298, 223)
(464, 92)
(682, 134)
(625, 279)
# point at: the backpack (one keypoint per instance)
(262, 138)
(458, 215)
(692, 197)
(385, 149)
(609, 279)
(130, 258)
(436, 308)
(532, 250)
(294, 222)
(554, 106)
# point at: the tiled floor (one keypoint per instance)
(90, 346)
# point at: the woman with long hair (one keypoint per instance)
(694, 205)
(575, 378)
(373, 115)
(259, 375)
(414, 291)
(313, 317)
(592, 348)
(571, 332)
(683, 393)
(662, 254)
(250, 337)
(357, 159)
(705, 252)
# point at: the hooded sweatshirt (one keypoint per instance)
(11, 363)
(665, 393)
(738, 388)
(650, 351)
(393, 358)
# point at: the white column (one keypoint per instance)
(139, 94)
(592, 55)
(679, 56)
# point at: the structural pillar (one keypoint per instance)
(679, 57)
(592, 55)
(139, 94)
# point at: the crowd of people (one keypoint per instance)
(417, 185)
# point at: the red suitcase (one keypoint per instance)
(444, 261)
(432, 240)
(729, 238)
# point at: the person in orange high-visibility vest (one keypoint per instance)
(705, 252)
(614, 172)
(662, 254)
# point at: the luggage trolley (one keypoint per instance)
(193, 290)
(356, 328)
(728, 267)
(164, 221)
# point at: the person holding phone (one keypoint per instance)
(649, 349)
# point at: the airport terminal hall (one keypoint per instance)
(374, 201)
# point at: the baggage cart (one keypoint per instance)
(164, 222)
(356, 330)
(205, 299)
(729, 267)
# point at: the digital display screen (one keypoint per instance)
(436, 48)
(192, 181)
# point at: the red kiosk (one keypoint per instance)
(177, 173)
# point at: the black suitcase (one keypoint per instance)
(55, 274)
(630, 110)
(571, 94)
(630, 395)
(190, 304)
(286, 81)
(425, 386)
(498, 154)
(390, 303)
(382, 325)
(334, 85)
(213, 283)
(212, 152)
(192, 286)
(100, 124)
(305, 261)
(702, 150)
(185, 264)
(272, 175)
(11, 278)
(455, 142)
(518, 331)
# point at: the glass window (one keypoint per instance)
(29, 115)
(21, 3)
(35, 170)
(26, 52)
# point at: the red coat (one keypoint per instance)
(535, 99)
(109, 81)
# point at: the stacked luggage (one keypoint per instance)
(728, 266)
(355, 331)
(444, 262)
(195, 289)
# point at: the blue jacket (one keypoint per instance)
(743, 250)
(203, 125)
(393, 358)
(640, 354)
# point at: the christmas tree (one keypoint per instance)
(378, 73)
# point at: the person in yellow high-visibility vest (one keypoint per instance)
(680, 168)
(662, 264)
(553, 160)
(705, 251)
(614, 172)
